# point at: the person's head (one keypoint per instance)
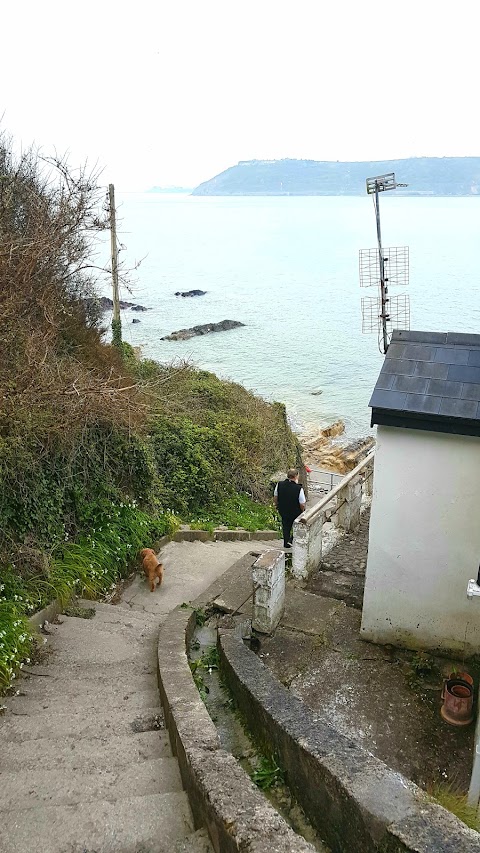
(292, 474)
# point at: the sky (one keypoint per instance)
(171, 93)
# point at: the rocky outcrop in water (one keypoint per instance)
(191, 293)
(206, 329)
(106, 304)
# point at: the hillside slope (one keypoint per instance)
(445, 176)
(100, 453)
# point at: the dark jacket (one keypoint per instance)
(287, 495)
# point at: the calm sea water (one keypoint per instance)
(288, 268)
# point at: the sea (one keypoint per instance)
(288, 268)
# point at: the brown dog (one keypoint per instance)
(151, 566)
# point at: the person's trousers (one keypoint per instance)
(287, 525)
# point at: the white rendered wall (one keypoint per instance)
(424, 541)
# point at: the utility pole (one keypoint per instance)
(116, 321)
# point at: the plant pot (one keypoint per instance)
(462, 676)
(457, 708)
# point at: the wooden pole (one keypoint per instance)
(116, 321)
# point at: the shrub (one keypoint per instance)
(238, 511)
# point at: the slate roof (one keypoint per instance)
(430, 381)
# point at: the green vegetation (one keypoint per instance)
(421, 667)
(79, 612)
(454, 800)
(432, 176)
(100, 453)
(206, 663)
(267, 773)
(238, 511)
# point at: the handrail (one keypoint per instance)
(309, 514)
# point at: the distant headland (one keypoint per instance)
(425, 176)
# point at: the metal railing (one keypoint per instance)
(342, 505)
(323, 481)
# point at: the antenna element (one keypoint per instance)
(383, 267)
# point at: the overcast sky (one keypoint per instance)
(174, 92)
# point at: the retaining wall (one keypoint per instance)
(354, 800)
(222, 796)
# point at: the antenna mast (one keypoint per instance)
(374, 266)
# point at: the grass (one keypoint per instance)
(88, 567)
(456, 802)
(267, 774)
(237, 511)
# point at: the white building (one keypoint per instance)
(424, 541)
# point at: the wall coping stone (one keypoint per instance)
(223, 798)
(354, 800)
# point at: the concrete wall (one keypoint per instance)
(353, 799)
(424, 541)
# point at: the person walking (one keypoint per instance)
(289, 498)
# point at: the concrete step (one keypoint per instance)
(198, 842)
(81, 641)
(18, 728)
(109, 751)
(132, 629)
(53, 676)
(153, 823)
(27, 789)
(33, 703)
(112, 613)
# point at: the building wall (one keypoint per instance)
(424, 541)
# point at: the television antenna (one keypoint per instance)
(383, 267)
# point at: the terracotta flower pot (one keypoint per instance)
(457, 708)
(462, 676)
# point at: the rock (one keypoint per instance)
(106, 304)
(191, 293)
(334, 429)
(206, 329)
(136, 320)
(316, 393)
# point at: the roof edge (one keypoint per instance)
(428, 423)
(452, 338)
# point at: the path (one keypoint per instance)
(341, 574)
(85, 761)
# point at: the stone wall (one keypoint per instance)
(352, 798)
(222, 796)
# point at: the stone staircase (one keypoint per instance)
(85, 761)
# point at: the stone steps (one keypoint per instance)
(198, 842)
(74, 641)
(82, 769)
(26, 789)
(79, 681)
(108, 751)
(153, 823)
(89, 675)
(42, 705)
(16, 728)
(105, 613)
(132, 629)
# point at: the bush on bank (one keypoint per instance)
(100, 452)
